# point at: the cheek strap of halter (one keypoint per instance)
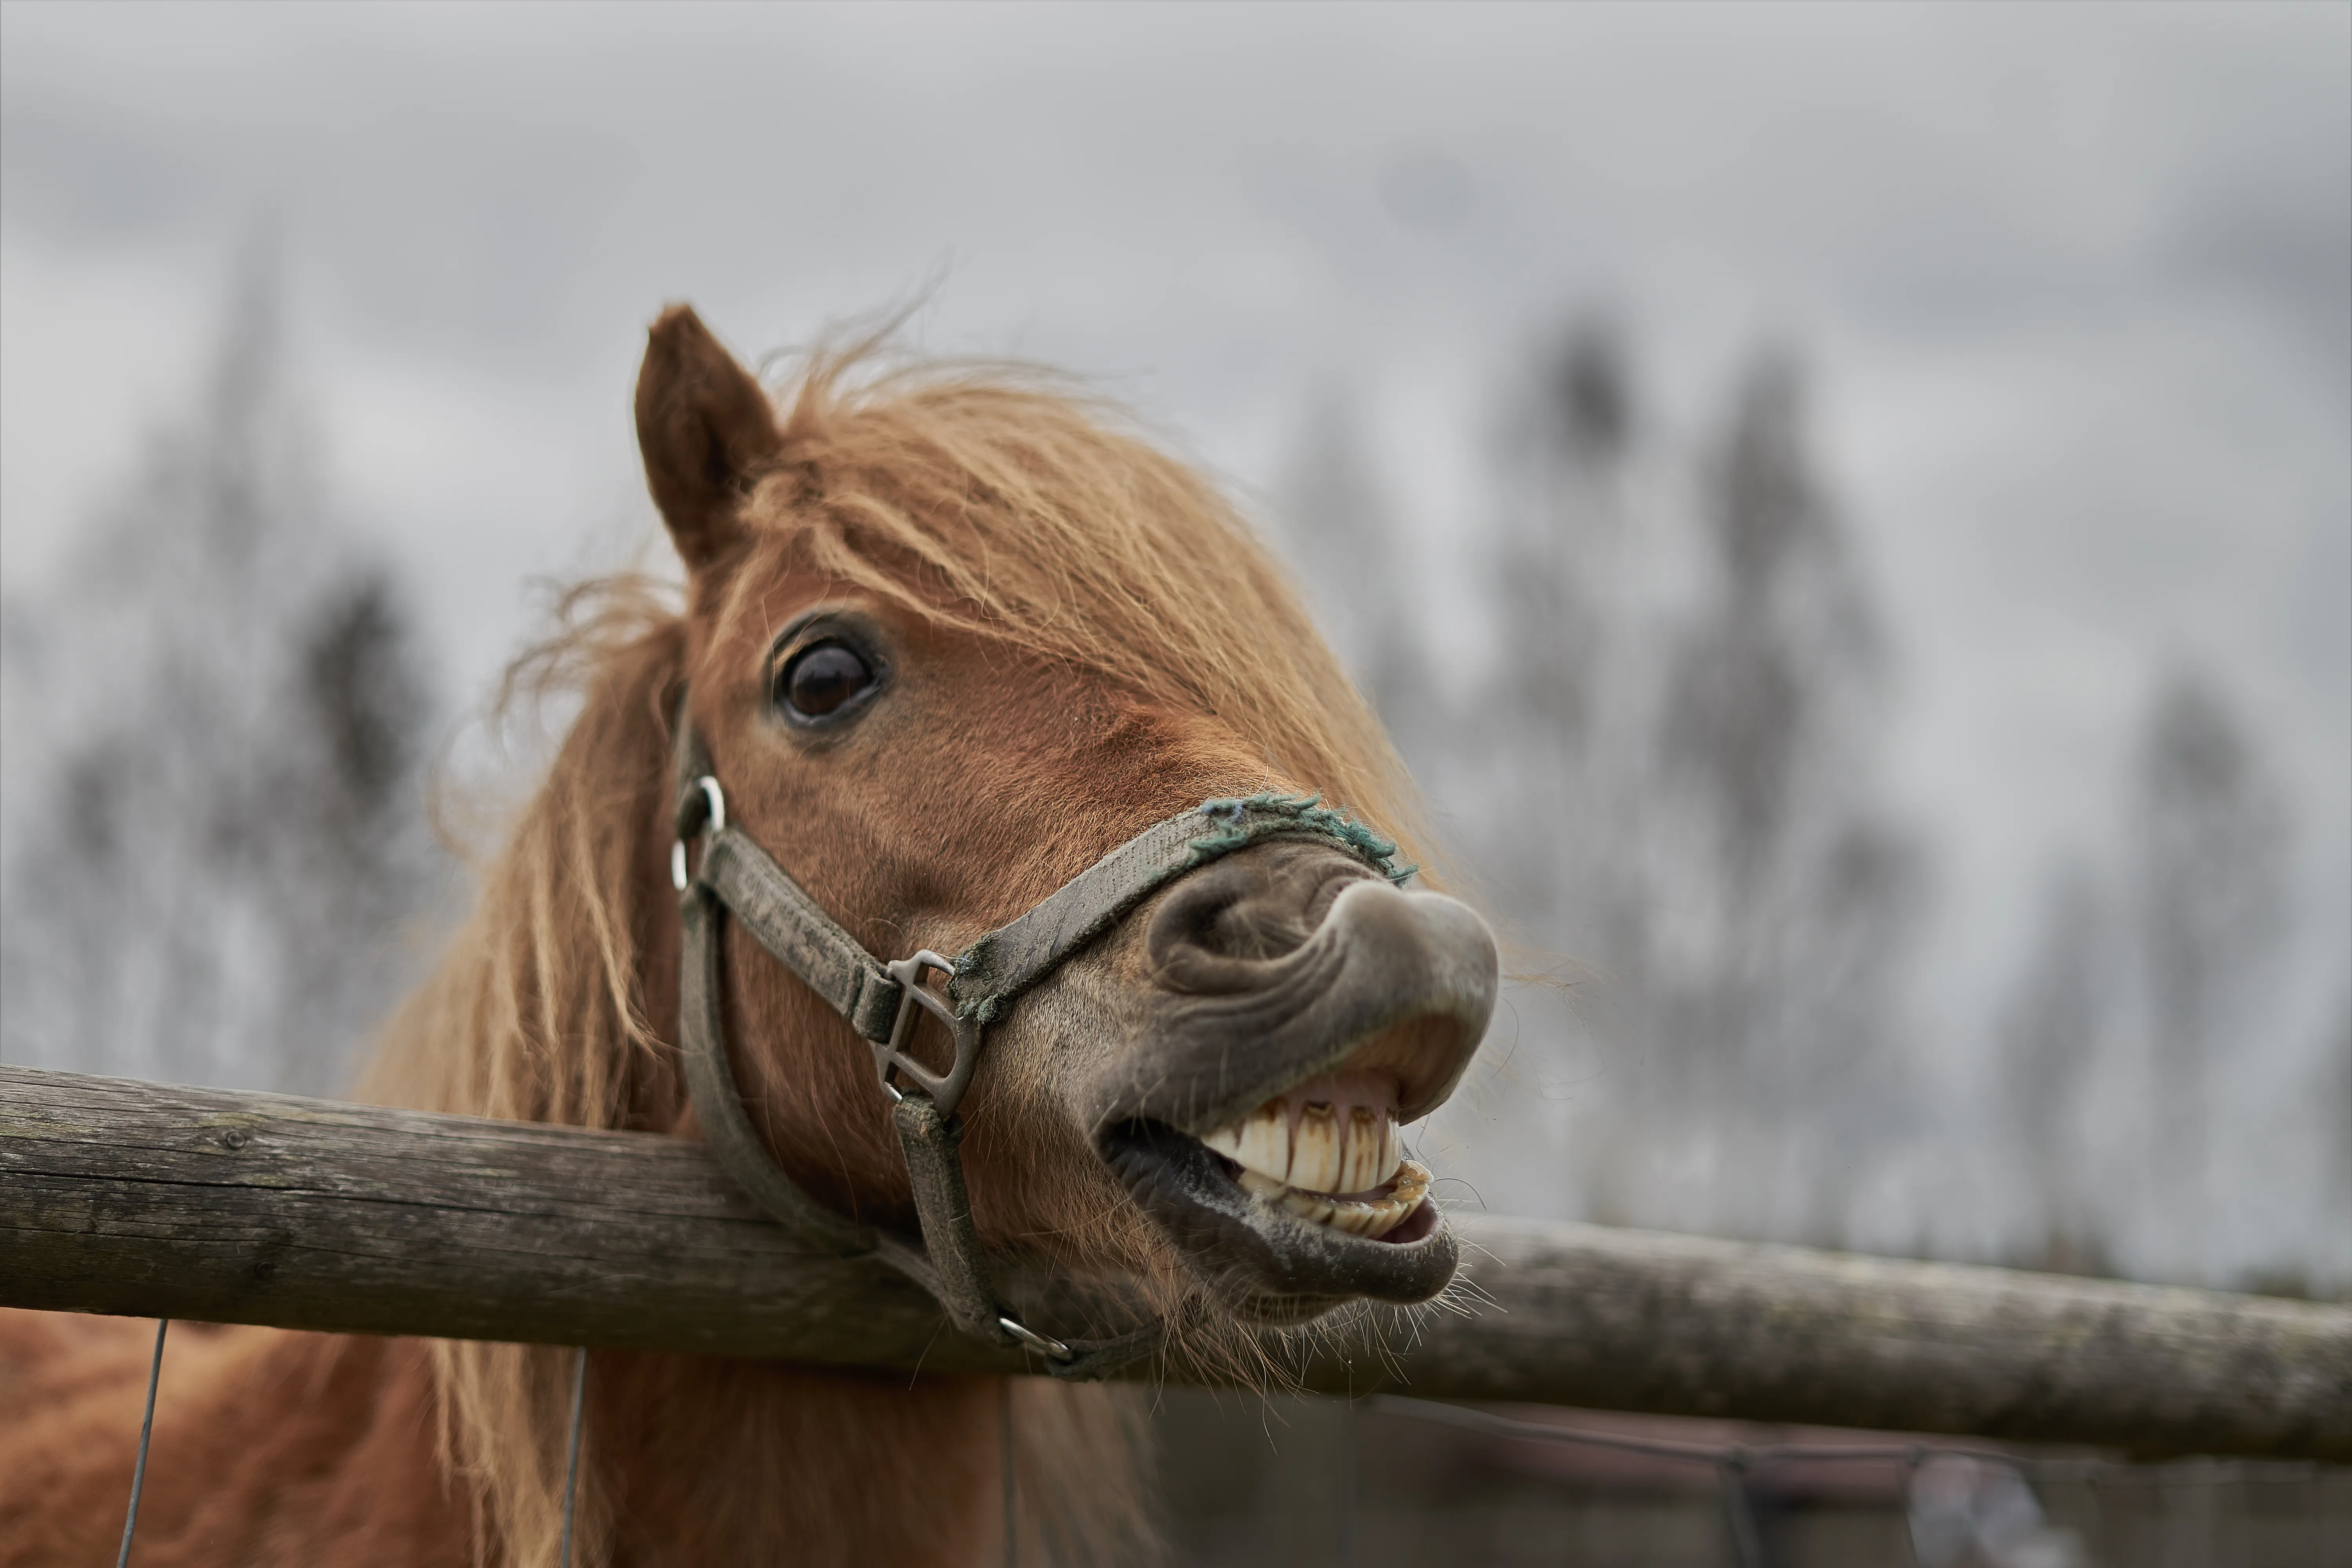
(734, 875)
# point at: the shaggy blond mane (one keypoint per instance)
(1006, 502)
(997, 501)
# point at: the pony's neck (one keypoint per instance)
(704, 1461)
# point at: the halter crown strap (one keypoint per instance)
(718, 1106)
(735, 876)
(788, 923)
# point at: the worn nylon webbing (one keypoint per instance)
(944, 1205)
(787, 922)
(719, 1105)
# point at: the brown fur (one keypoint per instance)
(1105, 643)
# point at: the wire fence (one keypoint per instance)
(1964, 1505)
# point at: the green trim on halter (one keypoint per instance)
(1253, 817)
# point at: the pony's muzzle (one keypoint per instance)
(1296, 962)
(1305, 1008)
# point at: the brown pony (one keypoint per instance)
(949, 638)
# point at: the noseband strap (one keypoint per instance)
(734, 875)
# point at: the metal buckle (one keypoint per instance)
(891, 1055)
(715, 822)
(1044, 1344)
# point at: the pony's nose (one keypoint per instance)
(1291, 960)
(1223, 928)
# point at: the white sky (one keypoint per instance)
(2073, 282)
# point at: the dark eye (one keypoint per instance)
(823, 679)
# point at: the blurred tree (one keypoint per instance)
(2334, 1102)
(2209, 880)
(2148, 1070)
(1588, 415)
(1555, 724)
(2052, 1033)
(221, 834)
(1562, 540)
(1682, 752)
(1340, 533)
(1668, 775)
(1800, 896)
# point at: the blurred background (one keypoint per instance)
(1846, 510)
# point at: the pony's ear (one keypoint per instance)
(706, 429)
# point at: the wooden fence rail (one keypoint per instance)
(154, 1201)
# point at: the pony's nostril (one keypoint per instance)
(1219, 927)
(1199, 915)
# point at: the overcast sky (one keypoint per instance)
(2072, 282)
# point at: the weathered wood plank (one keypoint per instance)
(157, 1200)
(154, 1200)
(1626, 1319)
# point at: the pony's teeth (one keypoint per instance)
(1306, 1170)
(1412, 1183)
(1308, 1206)
(1259, 1185)
(1260, 1142)
(1315, 1161)
(1264, 1142)
(1372, 1218)
(1359, 1159)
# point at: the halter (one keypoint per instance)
(735, 877)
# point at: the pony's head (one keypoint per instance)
(948, 640)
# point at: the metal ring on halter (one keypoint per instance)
(714, 822)
(1044, 1344)
(891, 1055)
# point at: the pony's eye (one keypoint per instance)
(823, 679)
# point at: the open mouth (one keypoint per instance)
(1304, 1203)
(1258, 1122)
(1327, 1152)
